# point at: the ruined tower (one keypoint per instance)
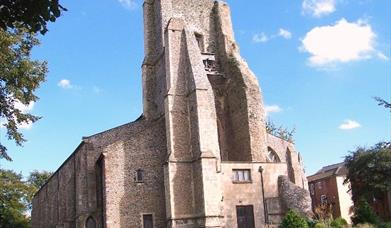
(199, 156)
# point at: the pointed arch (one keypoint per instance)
(272, 156)
(90, 222)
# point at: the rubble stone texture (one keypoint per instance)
(294, 198)
(203, 119)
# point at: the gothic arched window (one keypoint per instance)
(90, 223)
(272, 156)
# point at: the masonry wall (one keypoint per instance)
(327, 187)
(71, 195)
(345, 199)
(244, 194)
(126, 200)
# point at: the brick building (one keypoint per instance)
(327, 186)
(199, 155)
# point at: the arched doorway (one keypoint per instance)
(90, 222)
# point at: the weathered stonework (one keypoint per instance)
(200, 146)
(294, 197)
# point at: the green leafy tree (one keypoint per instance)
(369, 172)
(38, 178)
(35, 181)
(20, 76)
(30, 14)
(293, 220)
(16, 196)
(14, 199)
(363, 213)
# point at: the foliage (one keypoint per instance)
(320, 225)
(20, 76)
(382, 102)
(16, 196)
(365, 225)
(37, 179)
(339, 223)
(363, 213)
(13, 200)
(385, 225)
(293, 220)
(30, 14)
(369, 172)
(280, 131)
(324, 213)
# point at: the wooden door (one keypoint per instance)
(245, 216)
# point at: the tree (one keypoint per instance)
(30, 14)
(363, 213)
(37, 179)
(16, 196)
(281, 132)
(382, 102)
(20, 76)
(13, 200)
(369, 172)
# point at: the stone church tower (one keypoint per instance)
(199, 156)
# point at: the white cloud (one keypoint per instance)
(284, 33)
(382, 56)
(128, 4)
(260, 38)
(272, 109)
(318, 8)
(349, 125)
(343, 42)
(65, 84)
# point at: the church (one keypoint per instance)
(198, 156)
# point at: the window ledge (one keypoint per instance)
(242, 182)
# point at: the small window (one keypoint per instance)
(323, 199)
(312, 189)
(241, 175)
(319, 184)
(200, 41)
(147, 221)
(139, 176)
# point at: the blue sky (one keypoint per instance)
(319, 63)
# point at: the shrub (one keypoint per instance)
(365, 225)
(385, 225)
(363, 213)
(293, 220)
(339, 223)
(320, 225)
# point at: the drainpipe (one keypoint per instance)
(260, 170)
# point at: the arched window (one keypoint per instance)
(272, 156)
(90, 223)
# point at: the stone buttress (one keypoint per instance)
(194, 75)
